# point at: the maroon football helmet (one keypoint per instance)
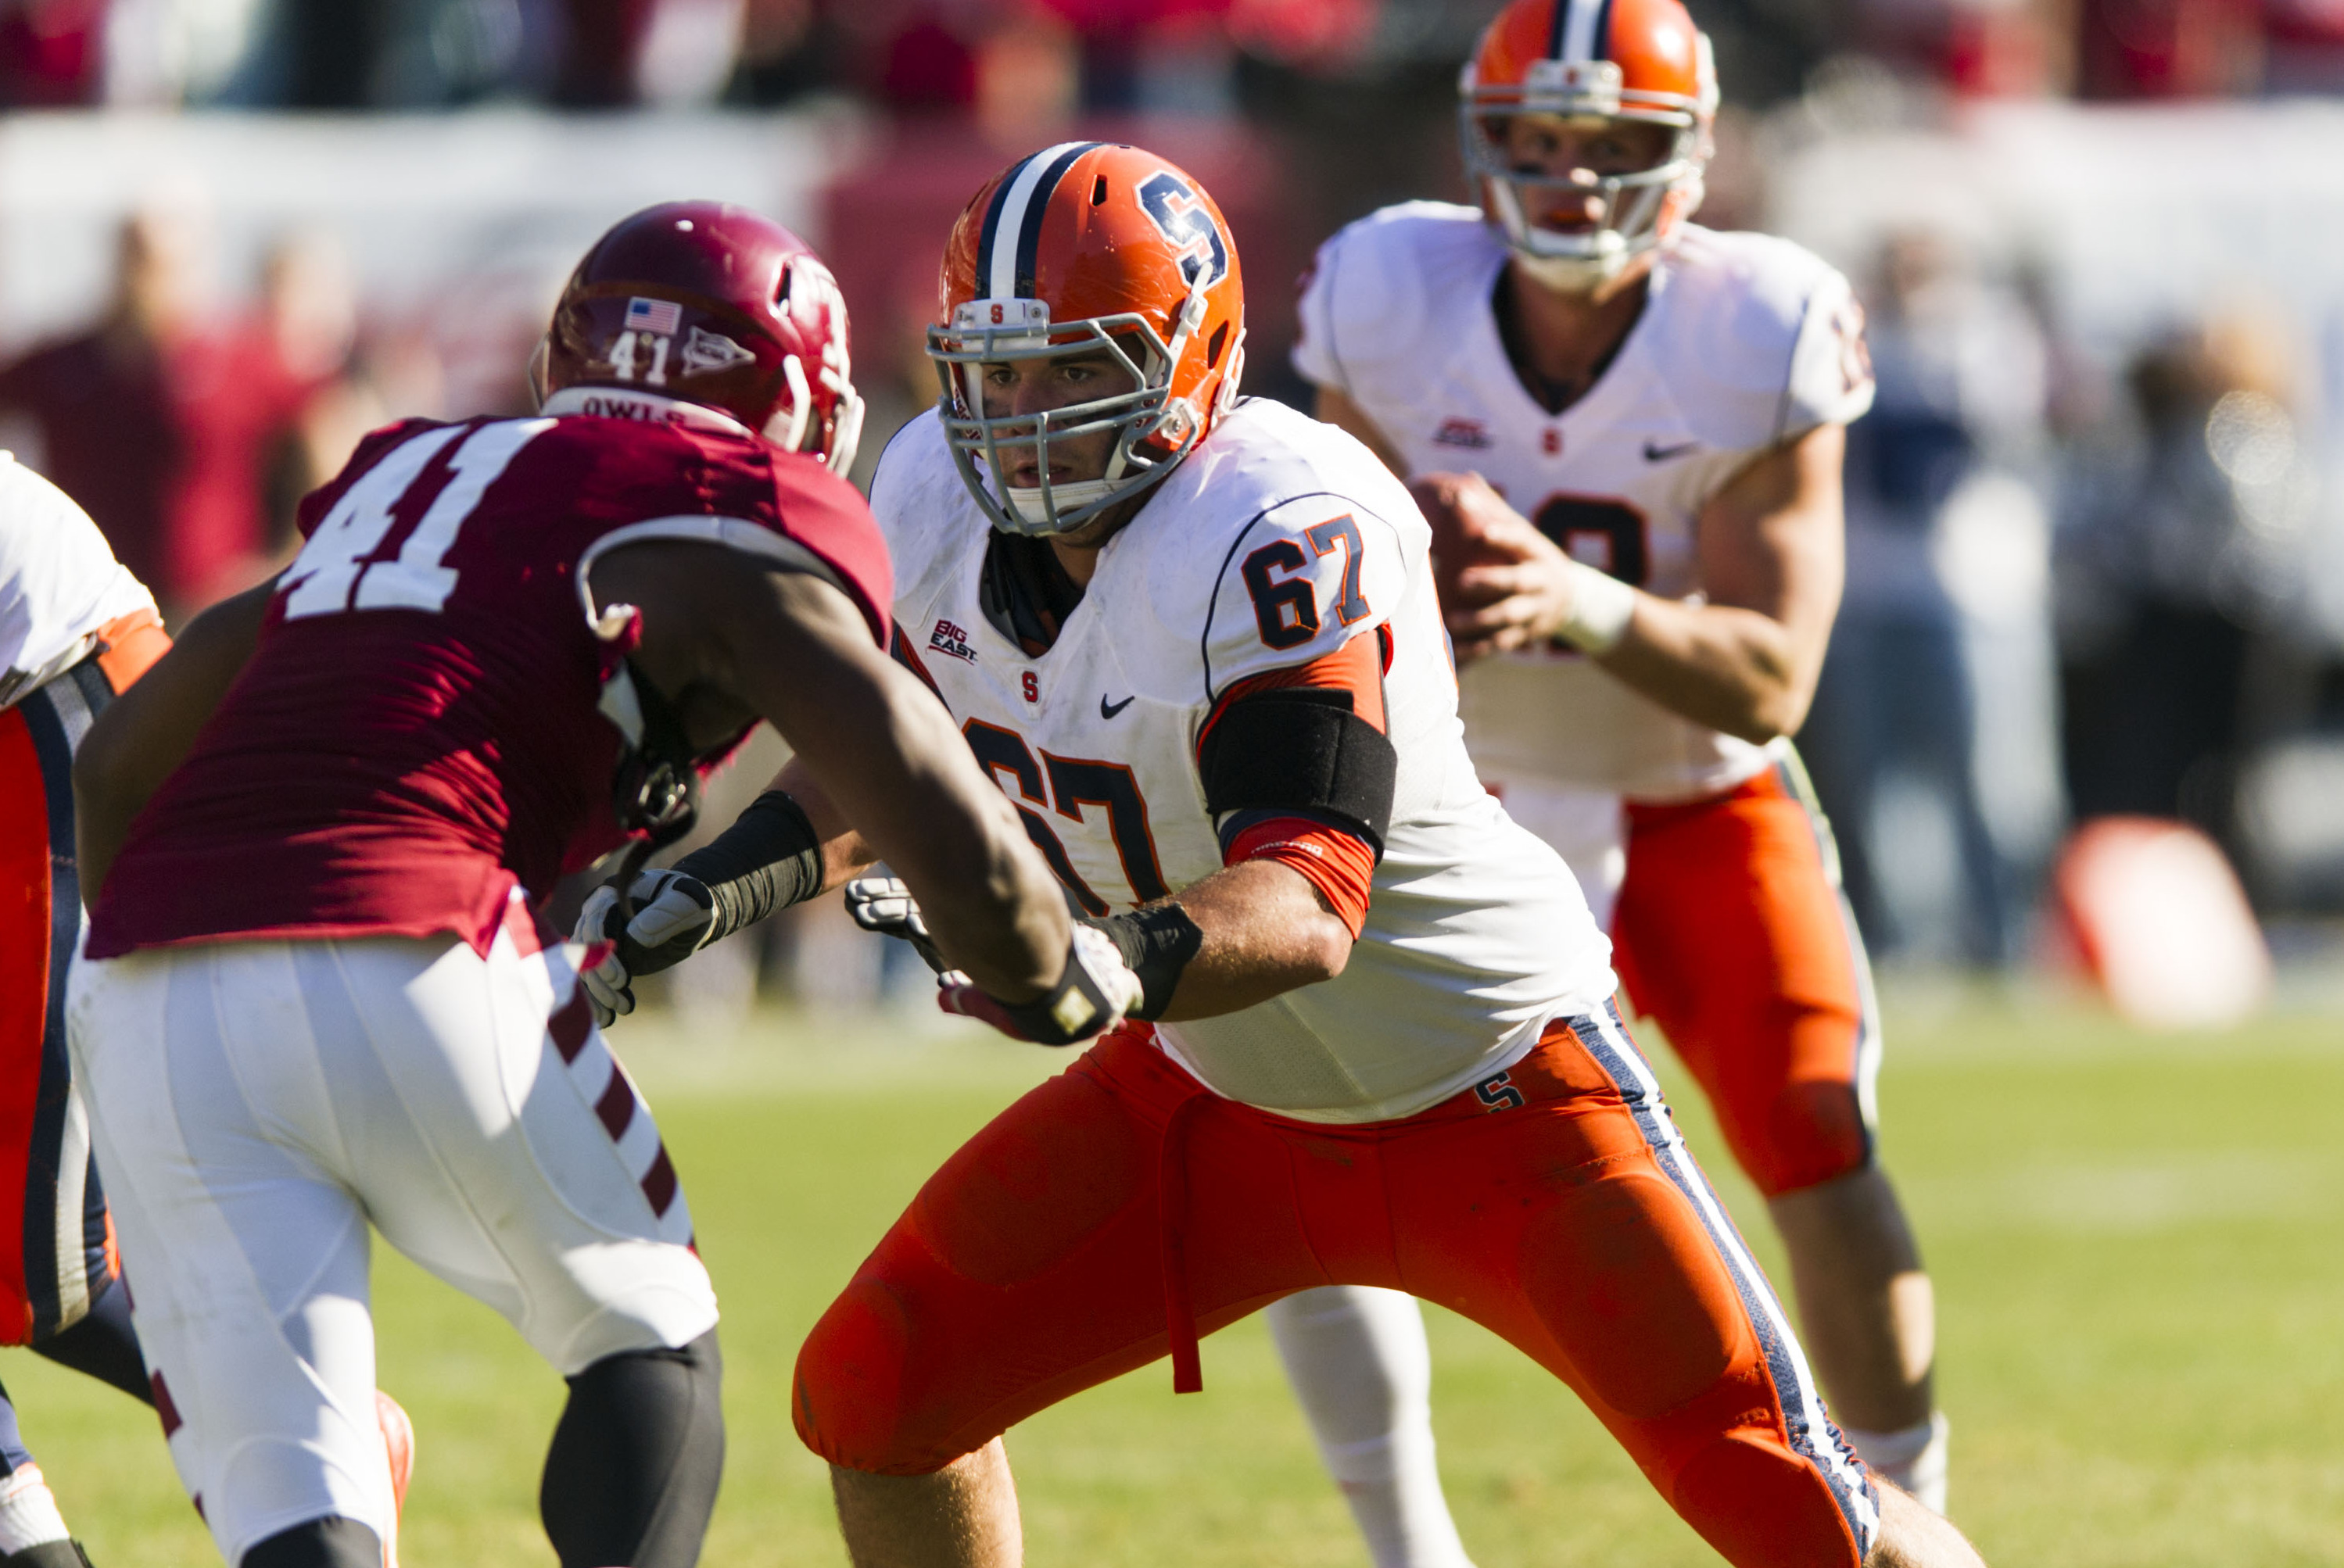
(713, 303)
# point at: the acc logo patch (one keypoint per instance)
(706, 353)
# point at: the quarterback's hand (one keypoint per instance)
(1090, 998)
(672, 916)
(1503, 585)
(884, 905)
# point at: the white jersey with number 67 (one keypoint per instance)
(1745, 342)
(1277, 542)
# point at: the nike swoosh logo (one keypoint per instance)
(1109, 709)
(1655, 453)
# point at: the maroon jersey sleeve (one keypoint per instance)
(416, 740)
(830, 518)
(801, 515)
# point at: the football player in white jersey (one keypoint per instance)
(1627, 432)
(1195, 638)
(76, 630)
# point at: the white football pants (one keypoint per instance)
(256, 1104)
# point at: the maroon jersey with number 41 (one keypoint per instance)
(417, 733)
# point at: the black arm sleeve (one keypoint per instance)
(1301, 748)
(768, 859)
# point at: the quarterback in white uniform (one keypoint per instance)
(1627, 431)
(1195, 640)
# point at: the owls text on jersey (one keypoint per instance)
(1277, 541)
(1746, 341)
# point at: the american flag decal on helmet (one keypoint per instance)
(660, 316)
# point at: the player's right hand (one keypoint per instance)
(1091, 997)
(672, 915)
(1502, 585)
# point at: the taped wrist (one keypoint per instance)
(1601, 606)
(769, 858)
(1157, 944)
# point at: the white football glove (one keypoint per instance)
(674, 914)
(885, 906)
(1098, 988)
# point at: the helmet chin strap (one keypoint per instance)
(1225, 395)
(845, 431)
(786, 428)
(539, 358)
(1028, 501)
(1571, 274)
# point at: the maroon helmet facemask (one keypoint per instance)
(714, 305)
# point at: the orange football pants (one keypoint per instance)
(1552, 1202)
(56, 1236)
(1731, 933)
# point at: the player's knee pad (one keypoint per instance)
(632, 1473)
(330, 1543)
(848, 1392)
(1815, 1132)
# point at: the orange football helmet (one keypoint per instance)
(1635, 60)
(1083, 246)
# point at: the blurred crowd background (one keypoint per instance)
(2096, 517)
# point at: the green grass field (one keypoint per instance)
(2138, 1243)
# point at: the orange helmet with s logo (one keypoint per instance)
(1080, 248)
(1582, 60)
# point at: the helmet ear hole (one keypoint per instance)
(1220, 340)
(1099, 191)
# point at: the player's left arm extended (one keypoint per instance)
(145, 733)
(1246, 933)
(1261, 930)
(1298, 775)
(1745, 659)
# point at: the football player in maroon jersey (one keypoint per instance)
(316, 995)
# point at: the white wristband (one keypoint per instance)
(1601, 609)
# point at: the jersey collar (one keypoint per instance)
(649, 407)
